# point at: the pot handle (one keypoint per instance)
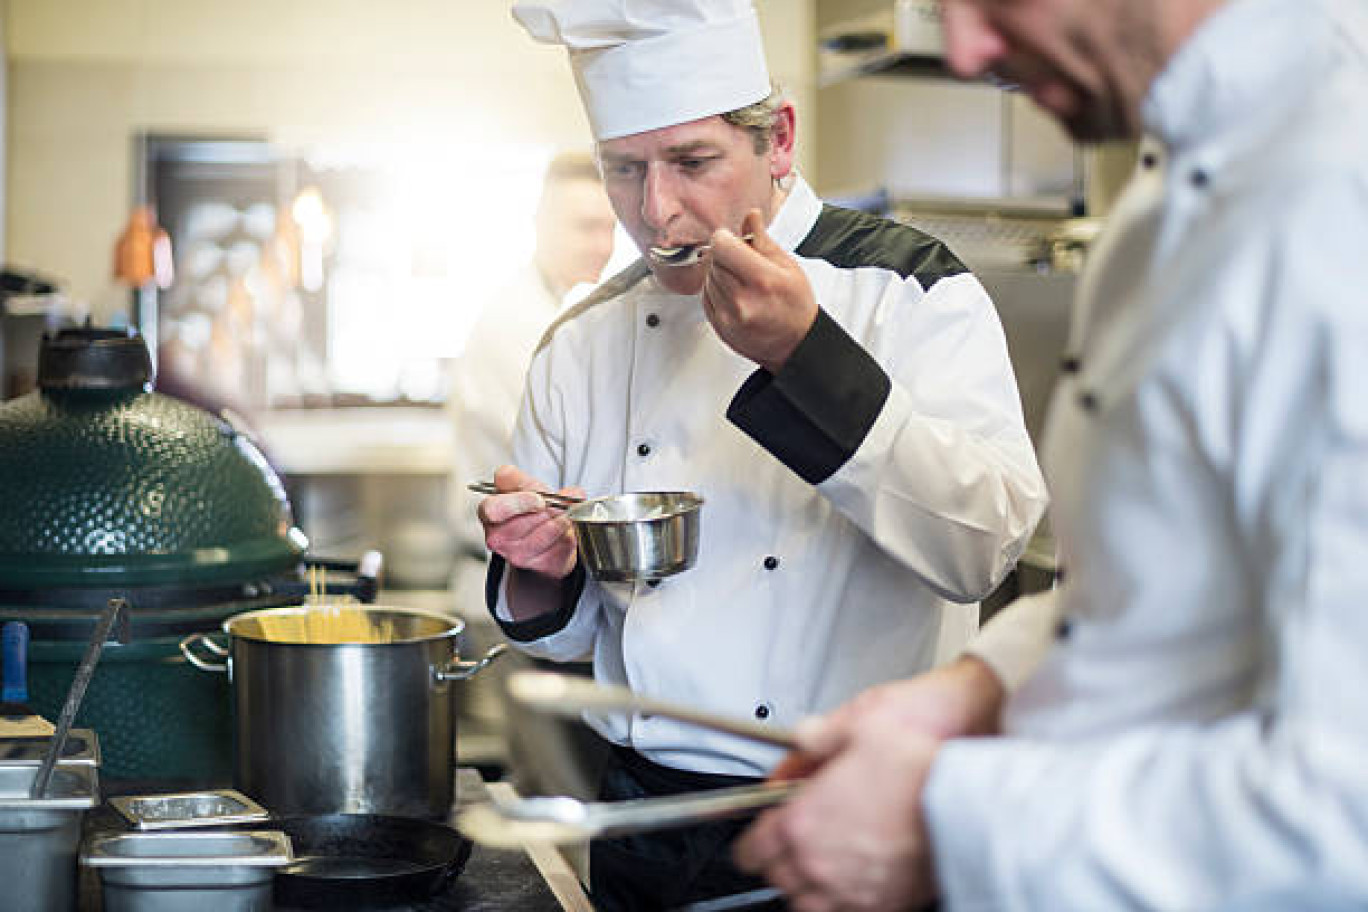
(462, 671)
(187, 648)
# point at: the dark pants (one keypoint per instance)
(670, 868)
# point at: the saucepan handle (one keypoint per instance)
(202, 640)
(462, 671)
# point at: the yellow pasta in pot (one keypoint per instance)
(325, 622)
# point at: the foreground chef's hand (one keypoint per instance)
(756, 296)
(961, 698)
(853, 840)
(523, 530)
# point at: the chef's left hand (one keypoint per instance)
(756, 296)
(853, 840)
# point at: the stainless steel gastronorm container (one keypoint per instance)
(356, 727)
(188, 871)
(40, 837)
(81, 748)
(177, 810)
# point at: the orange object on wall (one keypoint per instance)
(143, 252)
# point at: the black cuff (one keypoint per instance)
(814, 414)
(543, 625)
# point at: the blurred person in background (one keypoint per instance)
(574, 241)
(1183, 724)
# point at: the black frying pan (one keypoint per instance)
(347, 861)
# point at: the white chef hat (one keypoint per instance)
(645, 64)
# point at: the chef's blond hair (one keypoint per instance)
(759, 118)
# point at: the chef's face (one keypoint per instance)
(677, 185)
(1087, 62)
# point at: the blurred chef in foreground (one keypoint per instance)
(1184, 723)
(837, 389)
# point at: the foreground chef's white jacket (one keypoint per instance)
(1197, 738)
(850, 499)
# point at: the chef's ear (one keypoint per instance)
(782, 137)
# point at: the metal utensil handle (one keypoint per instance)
(461, 671)
(641, 815)
(567, 695)
(76, 694)
(742, 728)
(700, 249)
(734, 901)
(15, 662)
(563, 501)
(187, 649)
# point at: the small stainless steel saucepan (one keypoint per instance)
(628, 538)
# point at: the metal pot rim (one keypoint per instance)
(454, 625)
(688, 502)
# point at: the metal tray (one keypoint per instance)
(254, 848)
(173, 811)
(73, 788)
(81, 747)
(187, 871)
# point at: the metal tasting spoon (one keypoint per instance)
(686, 255)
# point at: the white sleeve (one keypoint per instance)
(946, 478)
(901, 407)
(1015, 641)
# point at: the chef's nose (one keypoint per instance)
(972, 45)
(659, 197)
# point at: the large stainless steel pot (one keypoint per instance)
(345, 710)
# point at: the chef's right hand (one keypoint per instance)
(521, 528)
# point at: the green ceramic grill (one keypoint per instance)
(111, 489)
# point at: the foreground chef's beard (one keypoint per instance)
(1129, 55)
(1094, 80)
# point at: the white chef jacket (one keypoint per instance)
(485, 392)
(899, 480)
(1197, 737)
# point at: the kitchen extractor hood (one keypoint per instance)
(881, 37)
